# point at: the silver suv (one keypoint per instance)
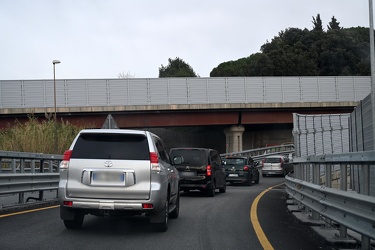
(114, 172)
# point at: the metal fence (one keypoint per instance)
(169, 91)
(344, 206)
(331, 182)
(22, 173)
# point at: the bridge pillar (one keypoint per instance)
(233, 138)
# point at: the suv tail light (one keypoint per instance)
(154, 159)
(246, 168)
(208, 170)
(64, 164)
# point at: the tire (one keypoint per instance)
(257, 180)
(211, 191)
(76, 223)
(174, 214)
(249, 181)
(224, 188)
(163, 226)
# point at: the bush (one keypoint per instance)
(36, 136)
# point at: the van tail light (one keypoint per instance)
(154, 160)
(64, 164)
(246, 168)
(208, 170)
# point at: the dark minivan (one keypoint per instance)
(199, 169)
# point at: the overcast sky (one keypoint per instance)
(102, 38)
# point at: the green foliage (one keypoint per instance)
(318, 26)
(176, 68)
(38, 136)
(297, 52)
(333, 24)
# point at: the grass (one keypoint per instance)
(36, 136)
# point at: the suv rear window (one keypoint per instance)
(111, 146)
(192, 157)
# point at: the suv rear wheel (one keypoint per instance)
(163, 226)
(76, 223)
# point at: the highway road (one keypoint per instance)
(244, 217)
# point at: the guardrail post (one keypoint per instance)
(22, 165)
(328, 183)
(315, 180)
(13, 165)
(365, 244)
(344, 187)
(32, 167)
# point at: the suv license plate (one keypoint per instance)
(108, 178)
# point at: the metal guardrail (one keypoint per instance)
(21, 173)
(260, 153)
(349, 209)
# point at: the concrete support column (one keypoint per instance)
(233, 138)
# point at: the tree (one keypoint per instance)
(333, 24)
(125, 75)
(318, 26)
(176, 68)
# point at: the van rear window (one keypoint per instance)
(192, 157)
(111, 146)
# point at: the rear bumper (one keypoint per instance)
(237, 179)
(272, 172)
(190, 184)
(158, 196)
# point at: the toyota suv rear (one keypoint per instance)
(114, 172)
(200, 169)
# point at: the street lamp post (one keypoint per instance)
(54, 62)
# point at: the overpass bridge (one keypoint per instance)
(235, 104)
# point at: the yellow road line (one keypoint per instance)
(254, 220)
(28, 211)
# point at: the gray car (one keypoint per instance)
(276, 165)
(114, 172)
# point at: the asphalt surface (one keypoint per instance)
(220, 222)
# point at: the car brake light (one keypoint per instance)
(246, 168)
(64, 165)
(154, 159)
(208, 170)
(68, 203)
(147, 206)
